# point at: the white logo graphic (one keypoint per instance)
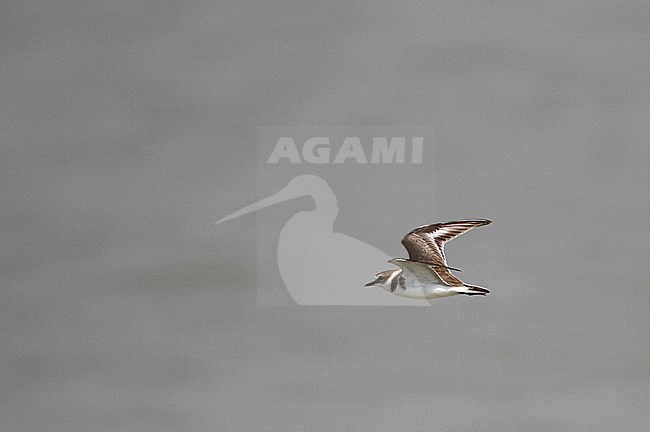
(317, 150)
(320, 266)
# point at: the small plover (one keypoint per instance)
(425, 274)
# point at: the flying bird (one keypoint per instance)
(425, 274)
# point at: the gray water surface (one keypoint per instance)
(128, 129)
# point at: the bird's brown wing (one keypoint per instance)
(426, 243)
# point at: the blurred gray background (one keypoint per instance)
(129, 128)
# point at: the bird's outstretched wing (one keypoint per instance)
(426, 243)
(426, 274)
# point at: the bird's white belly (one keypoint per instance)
(420, 291)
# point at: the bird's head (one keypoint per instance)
(386, 280)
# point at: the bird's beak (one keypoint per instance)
(371, 283)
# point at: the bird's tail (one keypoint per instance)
(474, 290)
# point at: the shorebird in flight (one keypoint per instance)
(425, 274)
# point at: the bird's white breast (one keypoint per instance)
(414, 289)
